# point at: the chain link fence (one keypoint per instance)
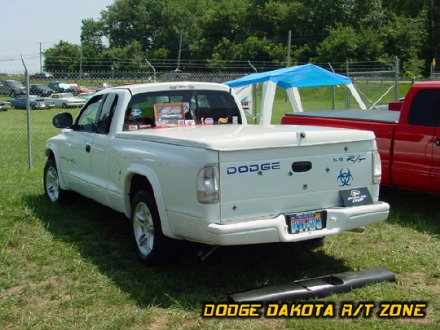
(377, 83)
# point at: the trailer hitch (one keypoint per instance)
(315, 287)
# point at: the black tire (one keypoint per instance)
(147, 235)
(64, 106)
(52, 188)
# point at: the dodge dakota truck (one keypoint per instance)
(181, 162)
(407, 134)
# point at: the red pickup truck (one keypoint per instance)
(408, 136)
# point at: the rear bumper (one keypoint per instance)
(269, 230)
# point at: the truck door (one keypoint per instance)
(435, 171)
(100, 149)
(416, 150)
(78, 152)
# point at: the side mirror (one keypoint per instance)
(62, 120)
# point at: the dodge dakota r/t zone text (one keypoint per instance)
(180, 161)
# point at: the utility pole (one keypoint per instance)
(41, 58)
(81, 62)
(180, 51)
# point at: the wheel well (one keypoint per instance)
(50, 154)
(139, 182)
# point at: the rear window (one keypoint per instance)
(200, 106)
(425, 108)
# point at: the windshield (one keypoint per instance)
(171, 108)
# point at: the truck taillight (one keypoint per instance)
(377, 168)
(208, 185)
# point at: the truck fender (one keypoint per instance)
(51, 148)
(148, 173)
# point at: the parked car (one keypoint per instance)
(102, 86)
(86, 96)
(65, 100)
(4, 105)
(35, 102)
(80, 89)
(42, 75)
(61, 87)
(40, 89)
(12, 88)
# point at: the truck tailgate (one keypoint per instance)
(381, 122)
(290, 179)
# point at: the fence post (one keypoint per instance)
(254, 95)
(28, 116)
(396, 79)
(334, 89)
(347, 92)
(154, 70)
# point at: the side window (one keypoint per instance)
(425, 108)
(88, 118)
(140, 112)
(106, 115)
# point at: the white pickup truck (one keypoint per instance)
(180, 160)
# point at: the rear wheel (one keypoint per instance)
(52, 188)
(146, 229)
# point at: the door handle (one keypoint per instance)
(88, 147)
(437, 142)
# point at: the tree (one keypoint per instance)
(127, 21)
(257, 30)
(64, 56)
(404, 37)
(129, 58)
(225, 21)
(92, 33)
(344, 43)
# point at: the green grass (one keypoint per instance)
(72, 266)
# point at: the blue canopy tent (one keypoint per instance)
(291, 78)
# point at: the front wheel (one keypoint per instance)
(52, 188)
(146, 229)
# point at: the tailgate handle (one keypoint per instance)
(301, 166)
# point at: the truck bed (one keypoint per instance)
(382, 116)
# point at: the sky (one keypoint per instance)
(27, 23)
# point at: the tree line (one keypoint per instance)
(277, 31)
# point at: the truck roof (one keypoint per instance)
(175, 85)
(428, 83)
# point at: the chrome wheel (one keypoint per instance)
(51, 178)
(148, 238)
(143, 228)
(52, 184)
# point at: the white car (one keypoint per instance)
(86, 95)
(65, 100)
(209, 176)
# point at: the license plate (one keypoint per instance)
(306, 221)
